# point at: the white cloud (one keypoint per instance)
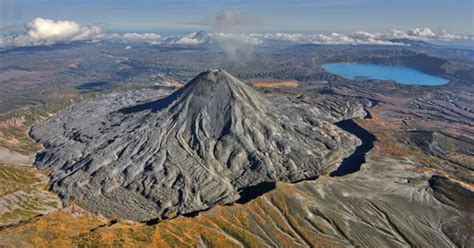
(364, 38)
(143, 37)
(425, 34)
(41, 31)
(194, 38)
(291, 37)
(358, 38)
(421, 32)
(242, 38)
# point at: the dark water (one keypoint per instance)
(400, 74)
(353, 163)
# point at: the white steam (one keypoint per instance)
(229, 20)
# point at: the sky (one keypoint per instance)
(456, 16)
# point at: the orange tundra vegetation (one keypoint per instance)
(270, 84)
(273, 218)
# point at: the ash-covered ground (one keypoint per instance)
(188, 151)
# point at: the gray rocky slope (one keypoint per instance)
(198, 147)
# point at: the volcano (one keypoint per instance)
(200, 146)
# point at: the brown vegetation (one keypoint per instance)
(266, 220)
(270, 84)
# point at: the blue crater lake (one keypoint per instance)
(399, 74)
